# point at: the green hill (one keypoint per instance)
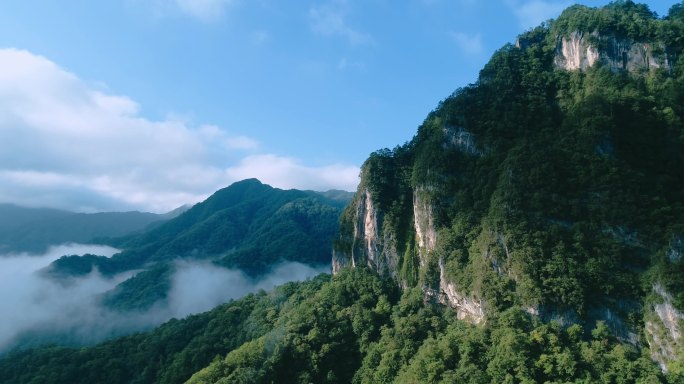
(33, 230)
(248, 226)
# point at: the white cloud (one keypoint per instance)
(69, 144)
(531, 13)
(29, 301)
(471, 45)
(198, 287)
(330, 20)
(286, 172)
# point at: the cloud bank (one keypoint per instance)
(198, 287)
(35, 309)
(72, 145)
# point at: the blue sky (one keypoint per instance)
(149, 104)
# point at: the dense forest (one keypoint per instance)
(553, 184)
(531, 232)
(355, 327)
(248, 226)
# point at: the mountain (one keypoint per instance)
(33, 230)
(554, 184)
(248, 226)
(531, 232)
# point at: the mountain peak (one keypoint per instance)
(550, 190)
(623, 36)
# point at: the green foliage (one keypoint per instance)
(549, 188)
(141, 291)
(622, 18)
(321, 340)
(169, 354)
(248, 225)
(350, 328)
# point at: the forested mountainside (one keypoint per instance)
(248, 226)
(554, 184)
(352, 328)
(32, 230)
(531, 232)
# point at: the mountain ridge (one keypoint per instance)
(248, 226)
(32, 230)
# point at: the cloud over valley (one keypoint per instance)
(37, 309)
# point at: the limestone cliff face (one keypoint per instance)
(663, 329)
(467, 308)
(371, 235)
(581, 50)
(371, 245)
(424, 223)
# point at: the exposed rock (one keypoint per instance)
(581, 50)
(467, 308)
(615, 322)
(664, 332)
(676, 248)
(612, 315)
(339, 261)
(576, 53)
(623, 235)
(371, 244)
(461, 139)
(366, 227)
(389, 260)
(424, 221)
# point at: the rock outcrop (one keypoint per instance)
(581, 50)
(663, 329)
(467, 308)
(424, 223)
(372, 245)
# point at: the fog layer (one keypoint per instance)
(35, 309)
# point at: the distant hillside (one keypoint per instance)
(248, 226)
(32, 230)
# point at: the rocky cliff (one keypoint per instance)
(580, 50)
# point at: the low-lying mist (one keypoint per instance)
(35, 309)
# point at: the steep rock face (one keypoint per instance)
(461, 139)
(424, 222)
(663, 329)
(576, 53)
(467, 308)
(580, 51)
(372, 245)
(676, 249)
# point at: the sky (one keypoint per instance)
(117, 105)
